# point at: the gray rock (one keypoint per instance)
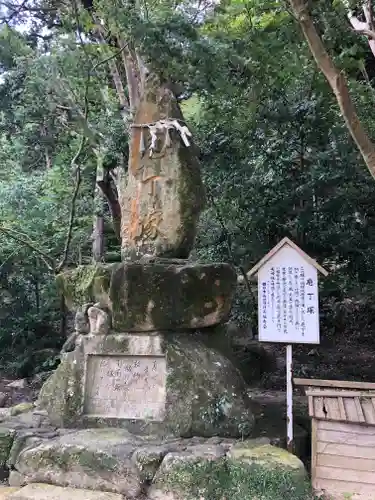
(4, 414)
(70, 343)
(162, 486)
(96, 459)
(22, 440)
(6, 441)
(266, 456)
(18, 384)
(49, 492)
(162, 295)
(16, 479)
(252, 358)
(190, 474)
(199, 392)
(3, 398)
(30, 419)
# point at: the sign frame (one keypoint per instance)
(256, 270)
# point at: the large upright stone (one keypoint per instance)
(161, 384)
(158, 295)
(161, 196)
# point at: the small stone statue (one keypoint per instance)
(81, 321)
(99, 320)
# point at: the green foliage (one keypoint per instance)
(276, 156)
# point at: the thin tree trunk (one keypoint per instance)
(98, 222)
(98, 230)
(338, 83)
(63, 317)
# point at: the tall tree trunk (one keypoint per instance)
(338, 83)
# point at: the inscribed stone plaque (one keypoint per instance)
(128, 387)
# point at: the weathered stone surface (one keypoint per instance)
(162, 196)
(154, 295)
(252, 358)
(162, 486)
(6, 440)
(248, 471)
(5, 492)
(16, 479)
(204, 394)
(40, 491)
(21, 408)
(266, 456)
(4, 414)
(97, 459)
(81, 323)
(99, 321)
(3, 398)
(18, 384)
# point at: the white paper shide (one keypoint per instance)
(288, 299)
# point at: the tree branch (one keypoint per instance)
(338, 83)
(23, 239)
(364, 28)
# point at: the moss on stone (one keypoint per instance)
(84, 284)
(148, 462)
(62, 394)
(96, 461)
(66, 459)
(6, 441)
(267, 456)
(21, 408)
(230, 480)
(145, 296)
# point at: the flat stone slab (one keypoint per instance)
(6, 491)
(40, 491)
(94, 459)
(153, 295)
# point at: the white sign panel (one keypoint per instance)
(288, 301)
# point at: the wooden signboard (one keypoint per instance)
(288, 305)
(288, 301)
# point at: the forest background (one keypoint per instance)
(276, 156)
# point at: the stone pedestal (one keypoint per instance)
(157, 294)
(160, 384)
(137, 359)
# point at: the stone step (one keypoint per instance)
(42, 491)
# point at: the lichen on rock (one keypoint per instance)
(82, 284)
(272, 474)
(157, 295)
(204, 394)
(6, 441)
(97, 460)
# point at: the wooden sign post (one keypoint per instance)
(288, 305)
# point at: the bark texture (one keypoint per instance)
(338, 83)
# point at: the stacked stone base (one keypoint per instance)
(137, 359)
(116, 461)
(140, 399)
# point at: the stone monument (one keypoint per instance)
(136, 359)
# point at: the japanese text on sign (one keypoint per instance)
(288, 299)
